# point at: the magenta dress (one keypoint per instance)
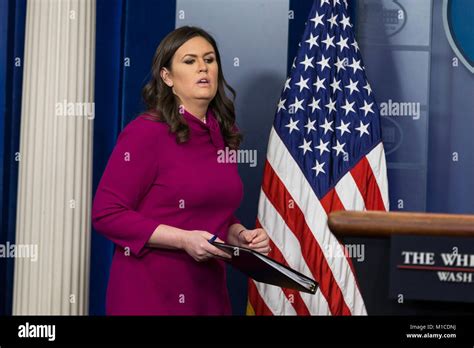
(151, 180)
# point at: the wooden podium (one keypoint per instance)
(379, 224)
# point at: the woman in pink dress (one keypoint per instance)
(164, 193)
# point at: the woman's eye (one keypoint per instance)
(208, 61)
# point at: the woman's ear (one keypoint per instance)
(165, 76)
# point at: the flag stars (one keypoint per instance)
(306, 146)
(342, 43)
(327, 126)
(312, 41)
(339, 147)
(355, 65)
(318, 167)
(310, 125)
(352, 86)
(287, 84)
(298, 104)
(335, 85)
(303, 83)
(340, 64)
(367, 108)
(281, 105)
(317, 20)
(368, 88)
(344, 127)
(324, 63)
(331, 105)
(333, 102)
(333, 20)
(345, 22)
(315, 104)
(348, 107)
(322, 147)
(329, 41)
(355, 45)
(319, 83)
(307, 62)
(292, 125)
(363, 129)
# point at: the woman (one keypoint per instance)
(163, 194)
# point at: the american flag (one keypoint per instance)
(325, 153)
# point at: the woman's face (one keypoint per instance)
(193, 61)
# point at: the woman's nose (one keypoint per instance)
(202, 65)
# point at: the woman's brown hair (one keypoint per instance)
(163, 105)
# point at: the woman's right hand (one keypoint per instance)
(196, 244)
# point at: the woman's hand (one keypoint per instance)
(257, 240)
(196, 244)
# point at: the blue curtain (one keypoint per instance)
(108, 78)
(12, 33)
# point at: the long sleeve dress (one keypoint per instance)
(151, 180)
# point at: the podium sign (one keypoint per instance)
(432, 268)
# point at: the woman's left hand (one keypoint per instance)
(256, 239)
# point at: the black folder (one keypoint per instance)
(265, 270)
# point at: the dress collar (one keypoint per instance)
(210, 127)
